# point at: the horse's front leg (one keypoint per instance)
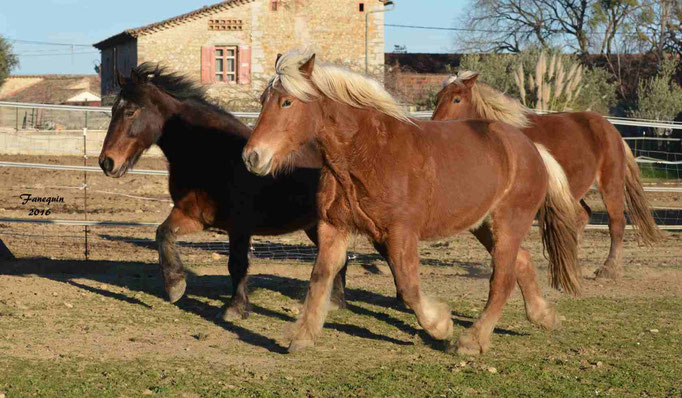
(338, 295)
(333, 243)
(177, 223)
(238, 264)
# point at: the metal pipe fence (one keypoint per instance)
(78, 130)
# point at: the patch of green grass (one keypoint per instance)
(619, 347)
(669, 173)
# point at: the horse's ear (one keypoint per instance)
(307, 68)
(469, 81)
(279, 55)
(134, 77)
(121, 79)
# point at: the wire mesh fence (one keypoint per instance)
(96, 216)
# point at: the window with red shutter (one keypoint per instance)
(225, 64)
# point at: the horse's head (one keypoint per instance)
(454, 99)
(287, 123)
(137, 120)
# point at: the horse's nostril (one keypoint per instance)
(106, 164)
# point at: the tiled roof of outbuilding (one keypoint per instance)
(167, 23)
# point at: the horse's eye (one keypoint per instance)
(456, 100)
(129, 113)
(286, 104)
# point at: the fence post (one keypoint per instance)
(85, 183)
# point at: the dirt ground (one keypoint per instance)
(71, 327)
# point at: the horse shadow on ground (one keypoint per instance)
(306, 254)
(144, 277)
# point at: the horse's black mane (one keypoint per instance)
(174, 84)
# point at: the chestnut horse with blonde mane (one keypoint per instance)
(585, 144)
(208, 182)
(399, 181)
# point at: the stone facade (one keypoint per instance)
(335, 30)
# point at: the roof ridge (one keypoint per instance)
(136, 32)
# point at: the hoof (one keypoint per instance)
(443, 330)
(609, 272)
(549, 319)
(469, 345)
(233, 313)
(300, 345)
(176, 292)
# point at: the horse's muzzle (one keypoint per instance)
(256, 162)
(107, 165)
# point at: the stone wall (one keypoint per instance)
(334, 30)
(53, 143)
(414, 87)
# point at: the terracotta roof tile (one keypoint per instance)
(54, 89)
(136, 32)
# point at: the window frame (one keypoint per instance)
(224, 58)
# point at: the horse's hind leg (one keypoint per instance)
(538, 311)
(238, 265)
(611, 183)
(383, 251)
(583, 217)
(510, 229)
(403, 256)
(338, 297)
(172, 272)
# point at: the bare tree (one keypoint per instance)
(509, 25)
(658, 27)
(571, 19)
(506, 26)
(610, 18)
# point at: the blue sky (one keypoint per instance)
(83, 22)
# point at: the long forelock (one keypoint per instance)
(334, 82)
(491, 103)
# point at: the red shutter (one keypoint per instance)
(244, 65)
(207, 64)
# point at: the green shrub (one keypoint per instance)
(659, 97)
(598, 88)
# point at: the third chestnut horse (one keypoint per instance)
(399, 181)
(585, 144)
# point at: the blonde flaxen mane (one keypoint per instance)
(493, 104)
(334, 82)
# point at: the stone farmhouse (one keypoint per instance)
(232, 45)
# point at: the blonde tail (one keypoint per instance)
(558, 225)
(638, 207)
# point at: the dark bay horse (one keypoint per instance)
(208, 182)
(399, 180)
(585, 144)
